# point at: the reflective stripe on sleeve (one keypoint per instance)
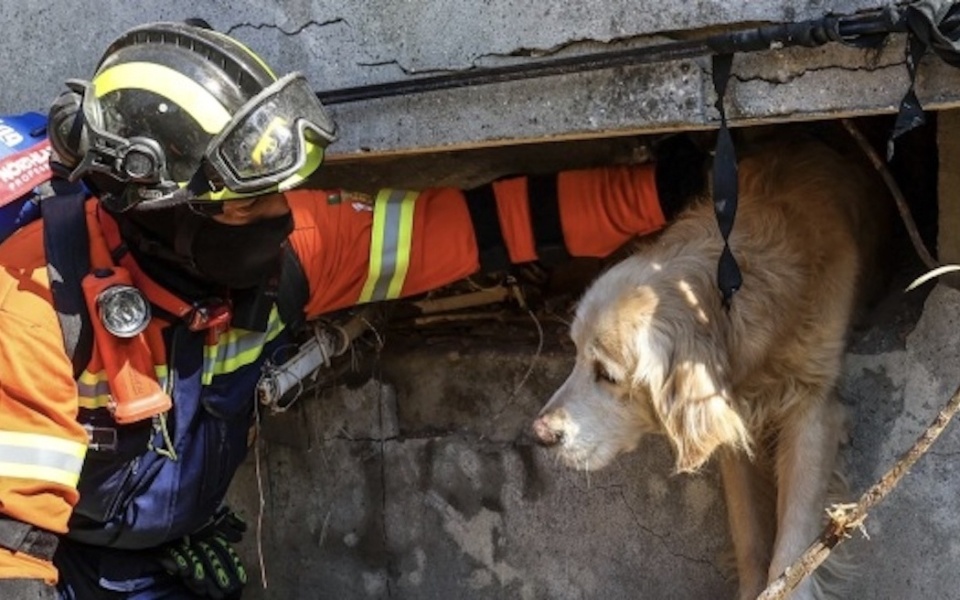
(390, 245)
(43, 457)
(238, 348)
(93, 390)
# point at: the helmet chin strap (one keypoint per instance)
(162, 195)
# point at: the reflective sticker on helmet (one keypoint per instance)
(276, 134)
(186, 93)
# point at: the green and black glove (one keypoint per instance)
(205, 560)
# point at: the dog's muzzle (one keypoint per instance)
(545, 432)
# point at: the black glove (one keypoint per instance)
(27, 589)
(205, 561)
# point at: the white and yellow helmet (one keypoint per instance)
(179, 113)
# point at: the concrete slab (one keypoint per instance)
(454, 507)
(417, 488)
(348, 44)
(913, 547)
(453, 503)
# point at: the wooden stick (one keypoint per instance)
(901, 202)
(847, 517)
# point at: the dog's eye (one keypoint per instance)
(601, 374)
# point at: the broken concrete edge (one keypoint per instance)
(456, 514)
(777, 86)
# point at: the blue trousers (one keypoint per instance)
(95, 573)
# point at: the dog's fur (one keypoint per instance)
(657, 352)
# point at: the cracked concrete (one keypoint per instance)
(414, 485)
(417, 483)
(451, 502)
(354, 44)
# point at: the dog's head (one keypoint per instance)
(651, 358)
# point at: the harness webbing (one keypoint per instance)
(491, 248)
(23, 537)
(66, 242)
(544, 200)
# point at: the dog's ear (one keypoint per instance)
(696, 412)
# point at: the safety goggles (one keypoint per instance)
(269, 139)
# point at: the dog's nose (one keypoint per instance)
(544, 433)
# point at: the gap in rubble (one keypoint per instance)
(549, 294)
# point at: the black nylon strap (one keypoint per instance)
(287, 288)
(294, 290)
(933, 24)
(544, 202)
(725, 186)
(492, 250)
(936, 23)
(910, 114)
(66, 242)
(22, 537)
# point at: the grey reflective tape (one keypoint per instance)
(391, 244)
(87, 390)
(41, 457)
(238, 347)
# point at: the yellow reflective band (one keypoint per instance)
(41, 473)
(376, 248)
(390, 244)
(95, 402)
(162, 374)
(405, 242)
(237, 348)
(187, 94)
(38, 440)
(93, 389)
(41, 457)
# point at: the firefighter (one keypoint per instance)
(194, 150)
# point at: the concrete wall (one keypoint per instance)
(341, 44)
(417, 485)
(414, 485)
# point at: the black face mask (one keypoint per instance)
(232, 256)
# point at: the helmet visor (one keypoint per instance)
(268, 140)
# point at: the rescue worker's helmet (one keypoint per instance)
(179, 113)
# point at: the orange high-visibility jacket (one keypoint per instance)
(353, 249)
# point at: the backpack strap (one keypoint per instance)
(23, 537)
(294, 290)
(67, 245)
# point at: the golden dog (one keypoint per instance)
(657, 352)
